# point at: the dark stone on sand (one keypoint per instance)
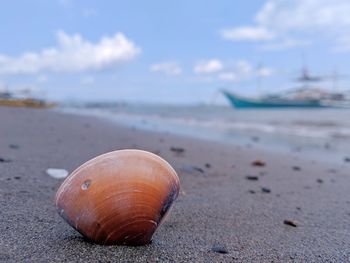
(296, 168)
(319, 181)
(191, 169)
(14, 146)
(265, 190)
(258, 163)
(298, 208)
(207, 165)
(177, 149)
(252, 177)
(219, 249)
(198, 169)
(347, 159)
(2, 160)
(17, 177)
(251, 191)
(289, 223)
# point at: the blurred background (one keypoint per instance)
(270, 73)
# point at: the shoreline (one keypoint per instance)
(228, 203)
(310, 148)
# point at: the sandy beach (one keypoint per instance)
(285, 210)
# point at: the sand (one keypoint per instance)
(220, 208)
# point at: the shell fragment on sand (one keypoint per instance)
(57, 173)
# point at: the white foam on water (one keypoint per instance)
(317, 131)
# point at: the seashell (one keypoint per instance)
(120, 197)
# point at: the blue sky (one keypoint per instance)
(168, 51)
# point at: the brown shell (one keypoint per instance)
(119, 197)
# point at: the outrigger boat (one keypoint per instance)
(272, 102)
(304, 97)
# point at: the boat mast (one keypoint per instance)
(258, 78)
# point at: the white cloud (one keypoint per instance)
(168, 68)
(72, 54)
(247, 33)
(237, 71)
(290, 21)
(243, 70)
(208, 66)
(264, 72)
(304, 15)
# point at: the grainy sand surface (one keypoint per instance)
(219, 208)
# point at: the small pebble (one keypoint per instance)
(252, 178)
(207, 165)
(14, 146)
(219, 249)
(2, 160)
(289, 223)
(17, 177)
(296, 168)
(251, 191)
(320, 181)
(198, 169)
(347, 159)
(177, 149)
(265, 190)
(258, 163)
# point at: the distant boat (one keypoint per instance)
(8, 99)
(272, 102)
(302, 97)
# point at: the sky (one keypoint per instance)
(170, 51)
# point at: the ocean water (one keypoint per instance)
(307, 133)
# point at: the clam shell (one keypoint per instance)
(119, 197)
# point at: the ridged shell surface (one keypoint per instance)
(119, 197)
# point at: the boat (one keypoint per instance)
(9, 99)
(272, 102)
(302, 97)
